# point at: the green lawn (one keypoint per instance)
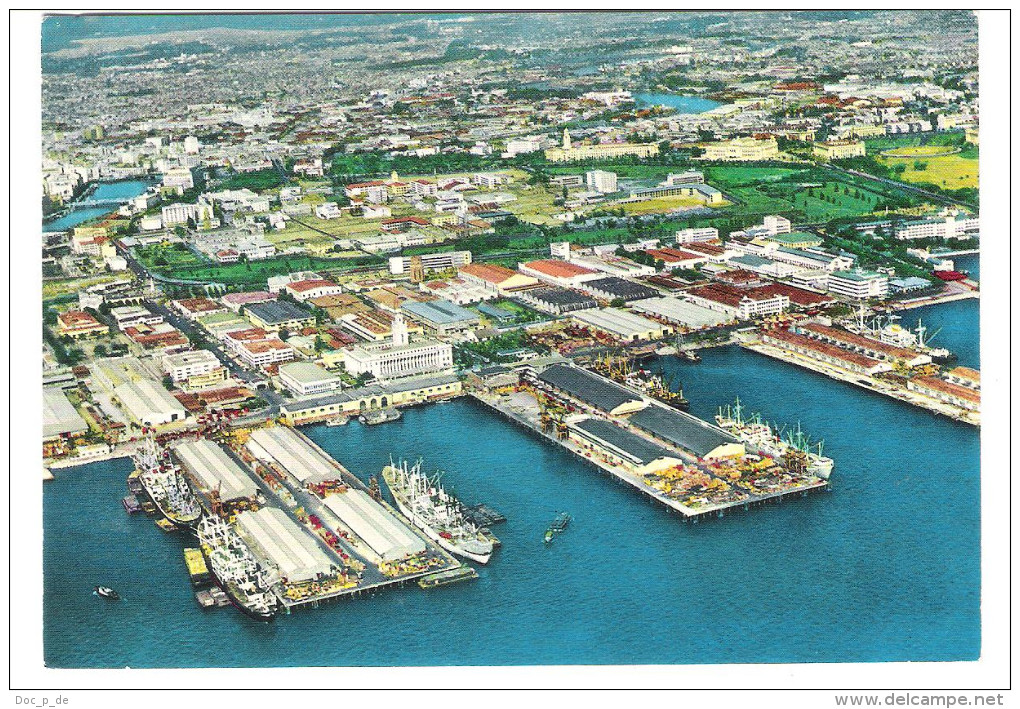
(255, 272)
(171, 256)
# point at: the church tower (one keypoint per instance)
(566, 139)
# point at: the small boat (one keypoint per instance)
(106, 592)
(337, 421)
(548, 536)
(561, 522)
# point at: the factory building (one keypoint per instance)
(215, 471)
(279, 315)
(148, 403)
(557, 300)
(60, 418)
(442, 317)
(307, 378)
(389, 539)
(286, 450)
(279, 541)
(613, 287)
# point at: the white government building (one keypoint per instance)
(399, 357)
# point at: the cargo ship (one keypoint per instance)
(166, 486)
(236, 569)
(436, 512)
(795, 448)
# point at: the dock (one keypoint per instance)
(622, 476)
(870, 383)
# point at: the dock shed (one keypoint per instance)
(688, 433)
(681, 312)
(282, 543)
(210, 465)
(633, 451)
(374, 524)
(592, 389)
(282, 447)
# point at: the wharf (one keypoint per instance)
(620, 475)
(934, 300)
(867, 382)
(371, 578)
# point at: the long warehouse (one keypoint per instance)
(681, 312)
(284, 544)
(621, 324)
(386, 536)
(282, 447)
(210, 465)
(688, 432)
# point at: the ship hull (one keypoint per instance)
(431, 533)
(235, 599)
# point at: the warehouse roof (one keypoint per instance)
(619, 322)
(289, 451)
(620, 288)
(680, 311)
(347, 395)
(441, 312)
(216, 470)
(307, 372)
(682, 430)
(561, 296)
(587, 387)
(285, 544)
(375, 525)
(144, 397)
(277, 311)
(59, 415)
(631, 445)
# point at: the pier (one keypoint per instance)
(868, 382)
(622, 476)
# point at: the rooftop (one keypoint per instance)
(639, 449)
(681, 429)
(440, 312)
(590, 388)
(558, 269)
(276, 312)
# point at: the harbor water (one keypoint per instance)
(885, 567)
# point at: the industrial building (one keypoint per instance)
(558, 273)
(442, 317)
(215, 471)
(591, 389)
(688, 433)
(622, 447)
(195, 368)
(680, 312)
(284, 545)
(621, 324)
(613, 288)
(59, 415)
(148, 403)
(557, 300)
(859, 284)
(279, 315)
(283, 448)
(375, 525)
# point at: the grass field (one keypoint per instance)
(256, 272)
(951, 172)
(171, 256)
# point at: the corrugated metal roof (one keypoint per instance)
(587, 387)
(680, 429)
(636, 447)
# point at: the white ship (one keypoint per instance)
(236, 569)
(760, 436)
(436, 512)
(166, 485)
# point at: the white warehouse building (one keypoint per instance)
(374, 525)
(282, 543)
(214, 470)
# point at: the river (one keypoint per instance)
(122, 190)
(885, 567)
(682, 104)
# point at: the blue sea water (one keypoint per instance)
(683, 104)
(885, 567)
(108, 190)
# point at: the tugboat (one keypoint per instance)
(557, 526)
(106, 592)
